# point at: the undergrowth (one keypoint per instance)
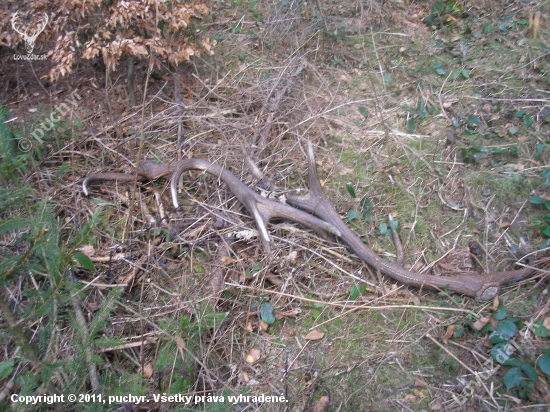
(40, 296)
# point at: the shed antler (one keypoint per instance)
(482, 287)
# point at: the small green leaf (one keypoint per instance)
(383, 228)
(487, 29)
(440, 71)
(513, 362)
(500, 313)
(507, 327)
(352, 215)
(497, 337)
(546, 231)
(522, 22)
(536, 200)
(455, 74)
(394, 224)
(528, 121)
(388, 81)
(544, 364)
(366, 205)
(520, 113)
(512, 130)
(6, 368)
(354, 292)
(539, 330)
(410, 125)
(530, 372)
(84, 260)
(267, 313)
(363, 112)
(512, 378)
(465, 73)
(473, 120)
(351, 190)
(422, 110)
(458, 332)
(546, 173)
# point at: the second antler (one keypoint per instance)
(481, 287)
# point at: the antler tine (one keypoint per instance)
(261, 208)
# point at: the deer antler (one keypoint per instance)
(482, 287)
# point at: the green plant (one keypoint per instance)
(365, 207)
(522, 375)
(41, 259)
(537, 200)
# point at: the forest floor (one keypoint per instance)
(427, 117)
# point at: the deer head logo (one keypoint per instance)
(29, 38)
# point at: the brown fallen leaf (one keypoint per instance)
(88, 250)
(481, 322)
(419, 393)
(449, 334)
(420, 383)
(345, 170)
(546, 323)
(253, 356)
(322, 404)
(410, 397)
(288, 313)
(315, 335)
(436, 407)
(263, 325)
(147, 371)
(496, 303)
(227, 260)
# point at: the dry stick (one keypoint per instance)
(478, 378)
(355, 309)
(511, 224)
(348, 306)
